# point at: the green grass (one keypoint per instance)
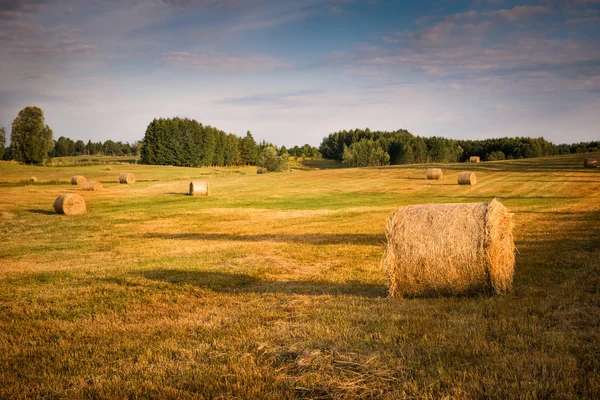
(271, 287)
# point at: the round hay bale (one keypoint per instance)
(435, 173)
(33, 179)
(449, 249)
(467, 178)
(474, 159)
(198, 188)
(109, 168)
(92, 186)
(590, 163)
(126, 178)
(69, 204)
(261, 170)
(78, 180)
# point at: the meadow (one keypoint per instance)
(271, 287)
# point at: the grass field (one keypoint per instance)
(272, 288)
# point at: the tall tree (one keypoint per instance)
(2, 141)
(30, 139)
(248, 149)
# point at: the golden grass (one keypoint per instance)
(271, 286)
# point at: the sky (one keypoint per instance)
(293, 71)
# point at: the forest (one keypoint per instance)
(360, 148)
(187, 142)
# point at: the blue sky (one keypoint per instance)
(294, 71)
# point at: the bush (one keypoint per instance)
(495, 156)
(269, 159)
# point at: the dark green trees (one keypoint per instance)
(404, 148)
(186, 142)
(30, 139)
(2, 141)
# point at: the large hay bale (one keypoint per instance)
(474, 159)
(33, 179)
(467, 178)
(590, 163)
(449, 249)
(69, 204)
(262, 170)
(126, 178)
(92, 186)
(78, 180)
(434, 173)
(109, 168)
(198, 188)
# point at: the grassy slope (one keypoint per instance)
(272, 286)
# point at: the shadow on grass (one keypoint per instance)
(241, 283)
(45, 212)
(363, 239)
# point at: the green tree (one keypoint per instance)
(2, 141)
(365, 153)
(30, 139)
(270, 160)
(248, 149)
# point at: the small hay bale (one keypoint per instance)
(261, 170)
(126, 178)
(435, 173)
(78, 180)
(474, 159)
(449, 249)
(467, 178)
(199, 188)
(109, 168)
(69, 204)
(92, 186)
(590, 163)
(33, 179)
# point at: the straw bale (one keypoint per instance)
(262, 170)
(467, 178)
(590, 163)
(199, 188)
(69, 204)
(78, 180)
(449, 249)
(126, 178)
(474, 159)
(92, 186)
(434, 173)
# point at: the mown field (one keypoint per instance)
(271, 287)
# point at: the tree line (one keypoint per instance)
(186, 142)
(360, 148)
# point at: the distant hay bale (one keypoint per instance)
(199, 188)
(33, 179)
(467, 178)
(261, 171)
(590, 163)
(474, 159)
(435, 173)
(92, 186)
(109, 168)
(78, 180)
(126, 178)
(449, 249)
(69, 204)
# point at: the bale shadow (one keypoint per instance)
(240, 283)
(322, 239)
(44, 212)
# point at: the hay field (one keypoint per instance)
(271, 287)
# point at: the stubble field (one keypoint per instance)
(271, 287)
